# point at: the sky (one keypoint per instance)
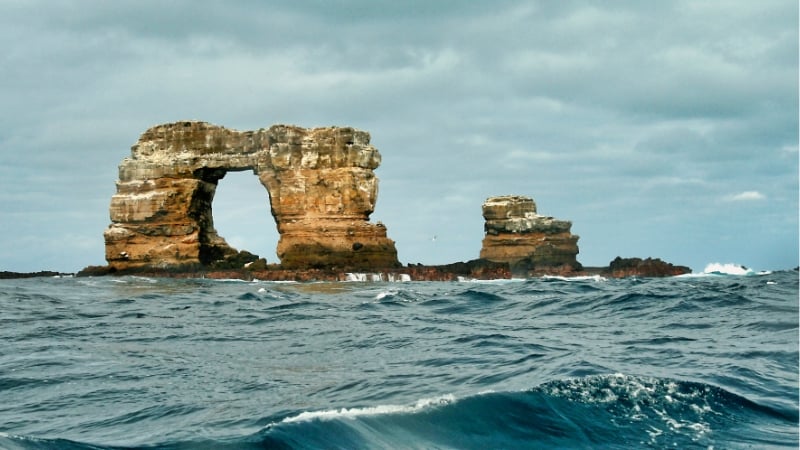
(660, 129)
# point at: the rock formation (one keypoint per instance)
(320, 183)
(516, 234)
(638, 267)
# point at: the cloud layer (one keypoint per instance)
(665, 129)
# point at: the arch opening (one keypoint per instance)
(242, 216)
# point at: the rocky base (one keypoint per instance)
(259, 270)
(478, 269)
(6, 275)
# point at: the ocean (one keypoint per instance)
(702, 361)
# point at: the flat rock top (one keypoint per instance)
(201, 138)
(508, 207)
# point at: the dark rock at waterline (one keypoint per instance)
(480, 269)
(650, 267)
(6, 275)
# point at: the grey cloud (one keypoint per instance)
(642, 112)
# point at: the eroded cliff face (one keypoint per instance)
(320, 185)
(516, 234)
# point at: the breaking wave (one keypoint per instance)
(607, 411)
(730, 269)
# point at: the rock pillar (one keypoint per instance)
(516, 234)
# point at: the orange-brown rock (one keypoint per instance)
(517, 235)
(320, 185)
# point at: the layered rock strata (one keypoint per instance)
(320, 185)
(517, 235)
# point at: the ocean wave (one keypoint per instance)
(716, 268)
(595, 278)
(202, 364)
(608, 411)
(353, 413)
(10, 441)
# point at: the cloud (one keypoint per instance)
(608, 115)
(746, 196)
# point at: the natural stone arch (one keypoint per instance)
(320, 183)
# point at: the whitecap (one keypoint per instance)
(491, 280)
(352, 413)
(727, 269)
(597, 278)
(383, 294)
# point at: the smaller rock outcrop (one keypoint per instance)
(7, 275)
(638, 267)
(517, 235)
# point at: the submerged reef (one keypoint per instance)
(321, 188)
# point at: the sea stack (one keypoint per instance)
(319, 183)
(517, 235)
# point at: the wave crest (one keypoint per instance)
(727, 269)
(351, 413)
(603, 410)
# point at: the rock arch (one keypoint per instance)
(320, 183)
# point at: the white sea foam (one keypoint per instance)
(727, 269)
(352, 413)
(490, 281)
(390, 277)
(356, 277)
(383, 294)
(722, 269)
(596, 278)
(732, 269)
(645, 396)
